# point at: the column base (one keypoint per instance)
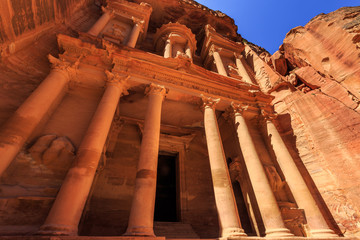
(58, 230)
(323, 233)
(232, 233)
(140, 231)
(278, 233)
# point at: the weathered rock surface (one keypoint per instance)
(331, 45)
(322, 103)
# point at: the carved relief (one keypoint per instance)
(117, 32)
(56, 153)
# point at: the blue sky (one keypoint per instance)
(266, 22)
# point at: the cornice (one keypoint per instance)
(150, 68)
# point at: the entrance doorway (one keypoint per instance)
(166, 203)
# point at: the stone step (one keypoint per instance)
(174, 230)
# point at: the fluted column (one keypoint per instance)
(168, 49)
(142, 209)
(241, 68)
(101, 22)
(65, 214)
(134, 35)
(297, 185)
(16, 130)
(217, 59)
(269, 209)
(224, 196)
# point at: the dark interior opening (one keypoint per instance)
(243, 214)
(166, 194)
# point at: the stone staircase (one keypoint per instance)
(174, 230)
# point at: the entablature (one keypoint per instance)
(226, 50)
(145, 68)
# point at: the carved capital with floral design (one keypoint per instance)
(238, 55)
(114, 79)
(155, 89)
(268, 115)
(67, 68)
(233, 110)
(239, 108)
(209, 102)
(214, 49)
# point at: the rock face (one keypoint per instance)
(322, 102)
(312, 82)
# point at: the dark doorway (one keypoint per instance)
(166, 194)
(243, 214)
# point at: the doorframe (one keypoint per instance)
(178, 145)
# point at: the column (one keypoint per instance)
(297, 185)
(168, 49)
(16, 130)
(264, 195)
(142, 209)
(65, 214)
(188, 51)
(101, 22)
(134, 35)
(218, 62)
(224, 196)
(241, 68)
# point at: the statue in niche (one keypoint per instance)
(54, 152)
(117, 32)
(277, 184)
(233, 71)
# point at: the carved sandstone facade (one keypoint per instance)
(153, 127)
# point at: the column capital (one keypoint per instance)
(238, 55)
(155, 89)
(138, 21)
(209, 102)
(239, 108)
(268, 115)
(67, 68)
(214, 49)
(117, 80)
(106, 10)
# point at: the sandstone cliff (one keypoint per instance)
(317, 86)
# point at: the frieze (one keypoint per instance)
(139, 68)
(119, 58)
